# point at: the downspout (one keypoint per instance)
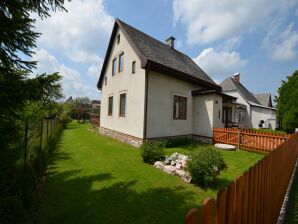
(145, 105)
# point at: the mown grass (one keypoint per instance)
(95, 179)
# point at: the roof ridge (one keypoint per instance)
(174, 49)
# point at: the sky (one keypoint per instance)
(257, 38)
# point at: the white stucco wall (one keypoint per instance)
(161, 90)
(202, 110)
(207, 112)
(266, 114)
(132, 84)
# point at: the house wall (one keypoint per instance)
(266, 114)
(132, 84)
(207, 112)
(247, 113)
(217, 111)
(161, 90)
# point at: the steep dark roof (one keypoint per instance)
(264, 99)
(230, 84)
(158, 56)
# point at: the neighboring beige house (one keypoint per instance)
(151, 90)
(252, 110)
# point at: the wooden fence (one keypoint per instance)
(256, 196)
(36, 135)
(249, 140)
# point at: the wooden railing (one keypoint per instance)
(249, 140)
(256, 196)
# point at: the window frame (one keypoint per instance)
(110, 113)
(113, 66)
(133, 67)
(120, 104)
(119, 68)
(180, 98)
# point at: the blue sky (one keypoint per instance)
(258, 38)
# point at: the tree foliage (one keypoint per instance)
(287, 103)
(82, 101)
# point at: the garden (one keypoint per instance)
(94, 179)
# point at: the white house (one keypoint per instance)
(151, 90)
(252, 110)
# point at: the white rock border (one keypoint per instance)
(175, 165)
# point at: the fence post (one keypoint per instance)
(41, 129)
(221, 206)
(239, 138)
(47, 129)
(208, 211)
(192, 217)
(51, 126)
(25, 144)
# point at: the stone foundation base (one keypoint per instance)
(202, 139)
(134, 141)
(198, 138)
(137, 142)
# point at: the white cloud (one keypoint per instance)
(211, 20)
(80, 33)
(72, 82)
(219, 63)
(94, 70)
(230, 44)
(282, 46)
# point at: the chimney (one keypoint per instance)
(170, 42)
(237, 77)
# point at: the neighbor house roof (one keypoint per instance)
(158, 56)
(95, 102)
(230, 84)
(264, 99)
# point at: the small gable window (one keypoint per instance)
(179, 110)
(121, 62)
(133, 67)
(105, 80)
(114, 65)
(118, 38)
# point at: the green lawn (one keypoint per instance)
(95, 179)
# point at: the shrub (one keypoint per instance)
(153, 151)
(204, 165)
(65, 120)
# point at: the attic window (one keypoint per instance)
(105, 80)
(118, 38)
(133, 67)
